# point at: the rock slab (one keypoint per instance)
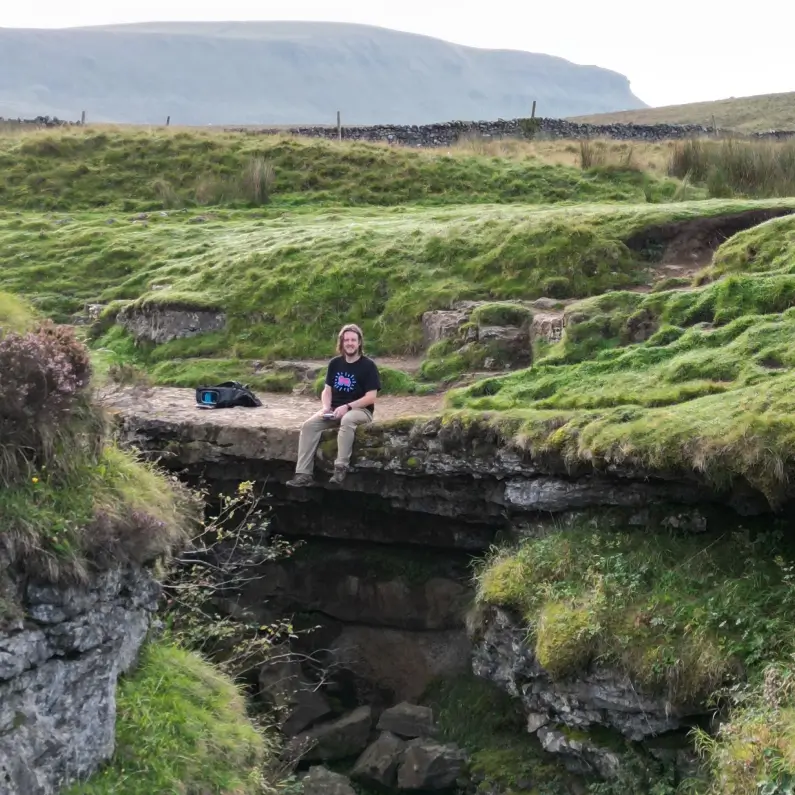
(336, 739)
(379, 763)
(407, 720)
(428, 765)
(322, 781)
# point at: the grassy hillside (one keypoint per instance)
(743, 114)
(288, 283)
(226, 73)
(712, 388)
(131, 171)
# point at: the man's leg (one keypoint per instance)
(345, 438)
(308, 441)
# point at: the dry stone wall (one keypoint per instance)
(448, 133)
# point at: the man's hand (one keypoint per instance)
(340, 412)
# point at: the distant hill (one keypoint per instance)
(744, 114)
(286, 73)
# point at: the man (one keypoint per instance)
(348, 400)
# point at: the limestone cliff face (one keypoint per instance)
(571, 716)
(60, 657)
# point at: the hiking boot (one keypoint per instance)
(339, 475)
(301, 480)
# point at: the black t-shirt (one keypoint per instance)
(350, 381)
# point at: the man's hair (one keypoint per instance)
(356, 330)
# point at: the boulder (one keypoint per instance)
(508, 345)
(428, 765)
(443, 324)
(322, 781)
(379, 763)
(297, 701)
(336, 739)
(407, 720)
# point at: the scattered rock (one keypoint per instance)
(297, 701)
(407, 720)
(140, 217)
(321, 781)
(198, 219)
(337, 739)
(379, 763)
(428, 765)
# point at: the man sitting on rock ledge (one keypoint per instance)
(348, 400)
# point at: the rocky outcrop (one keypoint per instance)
(159, 324)
(59, 663)
(459, 479)
(564, 712)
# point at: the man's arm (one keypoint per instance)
(325, 399)
(364, 402)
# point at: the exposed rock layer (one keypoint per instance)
(59, 664)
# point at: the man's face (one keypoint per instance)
(350, 343)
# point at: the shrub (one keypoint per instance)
(42, 396)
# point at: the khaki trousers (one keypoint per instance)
(314, 427)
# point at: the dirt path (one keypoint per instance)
(277, 411)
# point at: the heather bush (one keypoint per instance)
(45, 414)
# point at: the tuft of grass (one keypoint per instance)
(182, 727)
(680, 615)
(737, 168)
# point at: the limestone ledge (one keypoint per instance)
(455, 466)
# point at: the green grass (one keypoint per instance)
(681, 615)
(489, 724)
(711, 390)
(288, 283)
(753, 751)
(181, 728)
(132, 171)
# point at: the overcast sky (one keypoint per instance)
(674, 51)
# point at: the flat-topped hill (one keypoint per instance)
(287, 73)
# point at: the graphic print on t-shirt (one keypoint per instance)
(345, 382)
